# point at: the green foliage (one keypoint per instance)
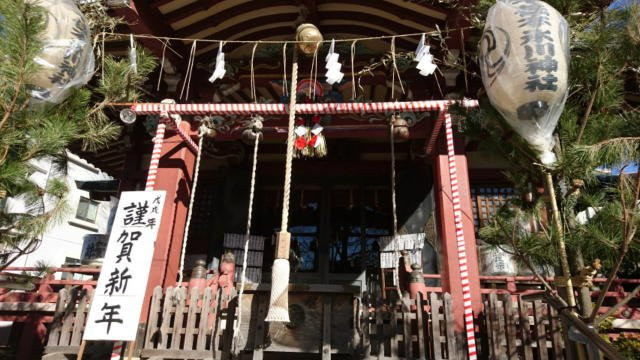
(29, 132)
(628, 347)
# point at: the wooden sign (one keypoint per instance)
(117, 301)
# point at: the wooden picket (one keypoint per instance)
(520, 329)
(412, 329)
(65, 332)
(183, 325)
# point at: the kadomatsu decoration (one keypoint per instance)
(66, 60)
(524, 59)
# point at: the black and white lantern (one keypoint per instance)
(524, 61)
(66, 60)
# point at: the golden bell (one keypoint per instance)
(310, 34)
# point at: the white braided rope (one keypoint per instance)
(247, 237)
(284, 224)
(192, 198)
(279, 297)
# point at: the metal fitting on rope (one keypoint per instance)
(207, 126)
(253, 130)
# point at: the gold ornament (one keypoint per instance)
(310, 34)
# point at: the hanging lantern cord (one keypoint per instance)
(255, 127)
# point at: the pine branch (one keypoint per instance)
(629, 227)
(585, 117)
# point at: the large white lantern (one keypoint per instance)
(524, 61)
(66, 60)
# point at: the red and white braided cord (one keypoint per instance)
(275, 109)
(155, 156)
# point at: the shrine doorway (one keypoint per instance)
(340, 208)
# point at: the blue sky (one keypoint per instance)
(621, 4)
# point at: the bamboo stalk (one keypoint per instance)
(83, 344)
(557, 223)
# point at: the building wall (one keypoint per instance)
(65, 238)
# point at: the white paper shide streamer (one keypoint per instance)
(219, 71)
(424, 58)
(133, 56)
(333, 67)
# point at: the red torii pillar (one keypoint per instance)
(451, 269)
(175, 176)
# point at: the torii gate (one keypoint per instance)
(455, 221)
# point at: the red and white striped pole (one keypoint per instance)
(155, 153)
(462, 252)
(117, 350)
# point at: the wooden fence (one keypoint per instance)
(519, 329)
(193, 325)
(185, 325)
(65, 332)
(412, 329)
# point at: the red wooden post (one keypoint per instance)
(451, 280)
(174, 176)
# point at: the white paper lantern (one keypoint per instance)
(524, 61)
(67, 58)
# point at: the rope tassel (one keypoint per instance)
(279, 300)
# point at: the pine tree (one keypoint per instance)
(600, 126)
(30, 132)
